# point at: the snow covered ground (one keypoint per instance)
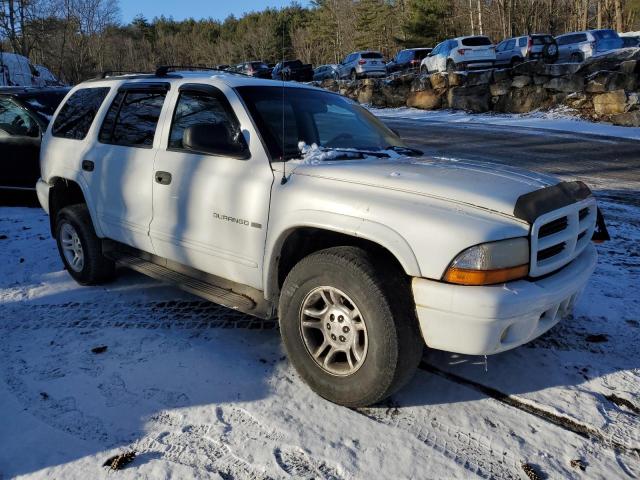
(561, 119)
(199, 391)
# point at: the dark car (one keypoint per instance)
(408, 59)
(24, 115)
(325, 72)
(254, 69)
(515, 50)
(293, 70)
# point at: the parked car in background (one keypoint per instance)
(254, 69)
(529, 47)
(408, 59)
(578, 46)
(223, 66)
(293, 70)
(46, 78)
(362, 64)
(462, 53)
(325, 72)
(24, 115)
(16, 70)
(630, 41)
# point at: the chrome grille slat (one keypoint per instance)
(560, 236)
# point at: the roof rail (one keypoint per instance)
(163, 70)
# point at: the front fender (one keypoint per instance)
(357, 227)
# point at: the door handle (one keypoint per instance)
(163, 178)
(88, 165)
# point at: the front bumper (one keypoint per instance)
(491, 319)
(42, 189)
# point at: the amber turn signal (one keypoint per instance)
(463, 276)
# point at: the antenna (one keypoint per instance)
(283, 180)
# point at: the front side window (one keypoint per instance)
(511, 44)
(132, 118)
(196, 108)
(77, 114)
(15, 122)
(314, 117)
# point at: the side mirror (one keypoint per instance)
(214, 139)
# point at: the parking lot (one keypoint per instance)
(201, 391)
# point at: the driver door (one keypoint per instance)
(210, 211)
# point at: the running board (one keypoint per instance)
(209, 291)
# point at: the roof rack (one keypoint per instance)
(113, 73)
(163, 70)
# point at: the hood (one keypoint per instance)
(479, 184)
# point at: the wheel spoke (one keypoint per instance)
(315, 313)
(312, 324)
(336, 299)
(326, 299)
(330, 354)
(356, 354)
(319, 351)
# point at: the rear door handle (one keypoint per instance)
(163, 178)
(88, 165)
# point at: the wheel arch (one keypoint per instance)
(297, 241)
(65, 192)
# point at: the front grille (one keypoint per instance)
(551, 251)
(552, 227)
(560, 236)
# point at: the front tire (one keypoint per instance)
(351, 334)
(80, 248)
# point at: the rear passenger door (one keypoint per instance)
(119, 166)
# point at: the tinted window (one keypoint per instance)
(541, 40)
(196, 108)
(77, 114)
(371, 55)
(259, 65)
(604, 34)
(420, 54)
(511, 44)
(476, 41)
(44, 104)
(132, 118)
(522, 42)
(580, 37)
(15, 122)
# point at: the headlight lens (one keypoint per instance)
(490, 263)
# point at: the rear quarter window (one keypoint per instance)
(476, 41)
(77, 114)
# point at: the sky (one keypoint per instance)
(179, 10)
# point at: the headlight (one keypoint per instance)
(490, 263)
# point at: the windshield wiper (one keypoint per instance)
(412, 152)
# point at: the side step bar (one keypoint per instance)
(209, 291)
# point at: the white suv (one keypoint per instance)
(462, 53)
(362, 247)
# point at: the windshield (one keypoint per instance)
(371, 55)
(313, 117)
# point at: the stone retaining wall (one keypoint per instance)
(602, 88)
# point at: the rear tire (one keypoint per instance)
(80, 248)
(375, 350)
(576, 58)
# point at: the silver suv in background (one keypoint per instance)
(362, 64)
(529, 47)
(462, 53)
(578, 46)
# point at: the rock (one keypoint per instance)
(627, 119)
(521, 81)
(570, 84)
(330, 84)
(540, 79)
(577, 100)
(604, 81)
(610, 103)
(439, 81)
(425, 99)
(610, 61)
(423, 82)
(472, 99)
(501, 75)
(482, 77)
(457, 79)
(500, 88)
(629, 66)
(557, 69)
(527, 68)
(523, 100)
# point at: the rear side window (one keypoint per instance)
(15, 122)
(542, 40)
(522, 42)
(371, 55)
(132, 118)
(77, 114)
(476, 41)
(604, 34)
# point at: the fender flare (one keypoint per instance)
(356, 227)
